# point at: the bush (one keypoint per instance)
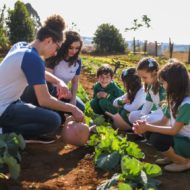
(107, 39)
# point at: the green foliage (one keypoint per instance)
(145, 21)
(10, 147)
(21, 26)
(92, 118)
(107, 141)
(108, 39)
(152, 169)
(138, 174)
(112, 150)
(98, 119)
(108, 161)
(81, 93)
(4, 40)
(124, 186)
(34, 15)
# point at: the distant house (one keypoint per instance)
(88, 46)
(151, 48)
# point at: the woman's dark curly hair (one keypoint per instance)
(177, 78)
(132, 82)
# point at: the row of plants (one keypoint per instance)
(114, 152)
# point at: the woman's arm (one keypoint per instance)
(74, 88)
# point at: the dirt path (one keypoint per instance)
(65, 167)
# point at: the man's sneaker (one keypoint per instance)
(163, 161)
(41, 140)
(177, 167)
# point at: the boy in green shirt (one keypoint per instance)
(105, 91)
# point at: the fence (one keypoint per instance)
(167, 50)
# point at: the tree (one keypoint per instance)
(4, 40)
(34, 14)
(108, 39)
(145, 21)
(21, 25)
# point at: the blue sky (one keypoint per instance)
(169, 18)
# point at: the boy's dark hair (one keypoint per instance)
(70, 37)
(132, 81)
(104, 70)
(150, 65)
(53, 27)
(177, 78)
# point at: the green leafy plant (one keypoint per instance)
(10, 157)
(107, 141)
(113, 151)
(81, 93)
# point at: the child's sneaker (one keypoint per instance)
(177, 167)
(163, 161)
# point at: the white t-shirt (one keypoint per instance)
(66, 72)
(21, 66)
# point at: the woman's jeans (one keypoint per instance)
(29, 120)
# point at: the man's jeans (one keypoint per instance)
(29, 120)
(29, 96)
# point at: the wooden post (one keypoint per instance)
(189, 56)
(156, 48)
(171, 46)
(145, 47)
(134, 46)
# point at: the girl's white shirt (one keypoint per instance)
(148, 105)
(137, 102)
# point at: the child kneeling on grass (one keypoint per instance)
(131, 101)
(171, 135)
(105, 91)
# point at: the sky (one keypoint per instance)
(169, 18)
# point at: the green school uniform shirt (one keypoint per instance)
(112, 90)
